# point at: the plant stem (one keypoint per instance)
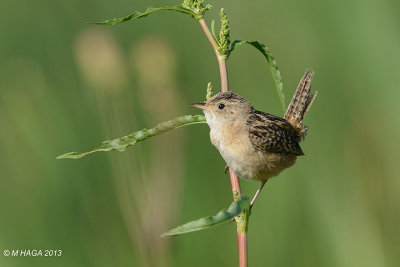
(242, 231)
(209, 36)
(242, 246)
(221, 58)
(235, 183)
(223, 72)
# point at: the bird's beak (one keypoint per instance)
(200, 105)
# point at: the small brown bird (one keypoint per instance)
(257, 145)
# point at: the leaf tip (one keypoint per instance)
(71, 155)
(100, 23)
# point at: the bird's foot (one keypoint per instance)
(256, 195)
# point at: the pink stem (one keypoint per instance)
(242, 245)
(235, 182)
(242, 235)
(223, 73)
(221, 59)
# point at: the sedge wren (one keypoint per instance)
(254, 144)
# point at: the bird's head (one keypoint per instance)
(225, 108)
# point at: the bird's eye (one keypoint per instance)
(221, 106)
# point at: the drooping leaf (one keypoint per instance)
(122, 143)
(276, 74)
(149, 10)
(241, 204)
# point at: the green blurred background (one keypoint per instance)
(67, 86)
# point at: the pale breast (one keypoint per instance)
(237, 151)
(239, 154)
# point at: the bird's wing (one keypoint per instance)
(273, 134)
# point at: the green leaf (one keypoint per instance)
(122, 143)
(241, 204)
(213, 31)
(149, 10)
(276, 74)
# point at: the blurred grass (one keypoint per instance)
(337, 207)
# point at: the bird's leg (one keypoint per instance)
(226, 168)
(257, 193)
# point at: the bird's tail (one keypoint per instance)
(301, 103)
